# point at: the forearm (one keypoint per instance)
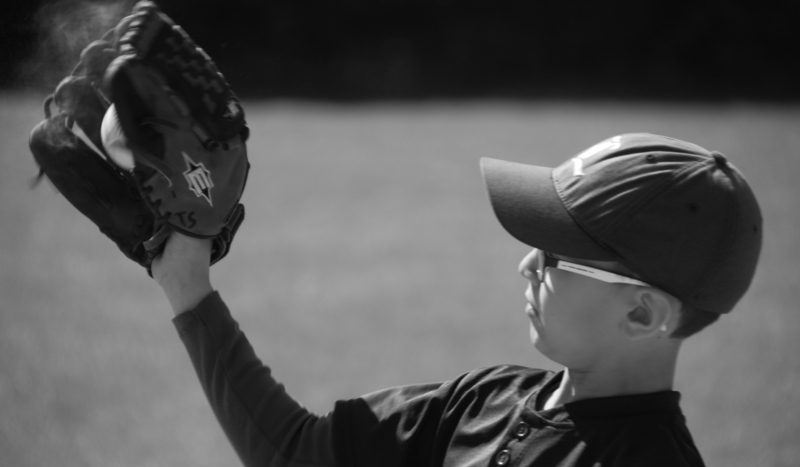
(182, 271)
(263, 423)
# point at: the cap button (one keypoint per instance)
(719, 158)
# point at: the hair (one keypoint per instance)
(692, 321)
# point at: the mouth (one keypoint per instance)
(531, 311)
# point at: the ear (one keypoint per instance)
(653, 315)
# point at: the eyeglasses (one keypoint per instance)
(546, 260)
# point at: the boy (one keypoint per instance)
(638, 242)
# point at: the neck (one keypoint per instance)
(642, 374)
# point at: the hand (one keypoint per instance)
(182, 271)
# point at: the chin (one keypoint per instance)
(537, 341)
(541, 346)
(533, 335)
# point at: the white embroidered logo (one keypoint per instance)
(198, 178)
(577, 162)
(233, 110)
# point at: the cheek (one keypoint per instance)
(570, 336)
(577, 313)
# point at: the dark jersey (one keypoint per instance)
(484, 417)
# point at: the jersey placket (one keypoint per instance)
(510, 452)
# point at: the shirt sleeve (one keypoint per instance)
(263, 423)
(394, 427)
(422, 425)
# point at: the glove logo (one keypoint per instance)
(198, 178)
(233, 110)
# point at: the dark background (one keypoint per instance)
(366, 49)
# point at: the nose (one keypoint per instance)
(529, 264)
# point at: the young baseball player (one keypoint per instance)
(638, 242)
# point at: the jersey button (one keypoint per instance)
(503, 457)
(522, 430)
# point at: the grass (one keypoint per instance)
(369, 258)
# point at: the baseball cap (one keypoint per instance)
(681, 217)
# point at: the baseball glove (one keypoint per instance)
(147, 138)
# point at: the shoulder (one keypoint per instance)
(496, 387)
(416, 421)
(502, 384)
(493, 379)
(503, 376)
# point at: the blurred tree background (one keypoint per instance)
(412, 49)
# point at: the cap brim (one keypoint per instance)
(527, 205)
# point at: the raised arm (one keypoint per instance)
(263, 423)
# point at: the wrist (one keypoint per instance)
(182, 271)
(186, 291)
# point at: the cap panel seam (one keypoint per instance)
(568, 208)
(675, 178)
(641, 203)
(707, 272)
(655, 192)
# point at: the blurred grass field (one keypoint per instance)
(369, 258)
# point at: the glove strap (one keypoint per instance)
(156, 242)
(222, 242)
